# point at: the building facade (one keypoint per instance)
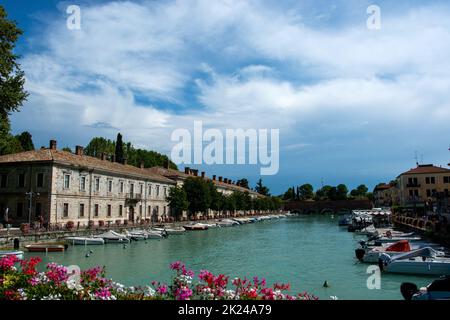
(61, 186)
(425, 183)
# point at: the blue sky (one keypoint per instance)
(352, 104)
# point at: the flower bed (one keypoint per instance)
(19, 280)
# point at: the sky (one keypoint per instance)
(352, 104)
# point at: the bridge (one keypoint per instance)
(322, 207)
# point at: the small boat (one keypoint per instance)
(155, 234)
(367, 231)
(437, 290)
(46, 247)
(113, 237)
(370, 254)
(170, 231)
(136, 235)
(17, 253)
(84, 241)
(380, 240)
(195, 226)
(424, 261)
(227, 223)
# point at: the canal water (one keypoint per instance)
(302, 250)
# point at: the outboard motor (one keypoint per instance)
(360, 252)
(408, 289)
(383, 260)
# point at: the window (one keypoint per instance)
(96, 210)
(140, 210)
(19, 209)
(82, 183)
(433, 193)
(3, 180)
(38, 209)
(40, 180)
(121, 186)
(430, 180)
(433, 180)
(65, 210)
(21, 180)
(149, 212)
(110, 185)
(97, 184)
(165, 191)
(157, 209)
(157, 191)
(446, 180)
(66, 181)
(132, 188)
(165, 208)
(109, 211)
(416, 193)
(141, 189)
(81, 212)
(120, 210)
(446, 192)
(428, 193)
(149, 189)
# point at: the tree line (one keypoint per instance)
(306, 192)
(200, 195)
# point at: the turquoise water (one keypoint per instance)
(304, 251)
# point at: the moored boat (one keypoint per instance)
(439, 289)
(170, 231)
(195, 227)
(46, 247)
(84, 241)
(113, 237)
(5, 253)
(424, 261)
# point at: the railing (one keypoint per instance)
(134, 196)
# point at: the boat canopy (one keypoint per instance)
(399, 246)
(427, 252)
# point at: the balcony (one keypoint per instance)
(133, 198)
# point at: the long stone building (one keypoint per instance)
(61, 186)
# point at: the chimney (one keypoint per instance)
(220, 179)
(103, 156)
(203, 174)
(53, 144)
(113, 158)
(186, 170)
(225, 180)
(195, 172)
(214, 177)
(79, 150)
(142, 164)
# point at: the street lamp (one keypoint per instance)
(30, 196)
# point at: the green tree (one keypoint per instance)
(26, 141)
(261, 189)
(99, 145)
(360, 191)
(198, 193)
(306, 191)
(243, 183)
(120, 156)
(177, 201)
(342, 192)
(289, 194)
(12, 78)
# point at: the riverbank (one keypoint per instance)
(7, 238)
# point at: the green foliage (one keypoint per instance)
(261, 189)
(120, 156)
(12, 78)
(99, 145)
(243, 183)
(8, 143)
(26, 141)
(306, 191)
(289, 194)
(177, 200)
(198, 193)
(360, 192)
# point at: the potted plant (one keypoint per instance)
(70, 225)
(101, 223)
(25, 228)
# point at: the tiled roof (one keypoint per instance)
(382, 187)
(64, 157)
(426, 168)
(175, 174)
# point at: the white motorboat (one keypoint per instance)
(84, 241)
(17, 253)
(437, 290)
(154, 234)
(424, 261)
(136, 235)
(368, 231)
(380, 240)
(370, 254)
(227, 223)
(113, 237)
(170, 231)
(195, 227)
